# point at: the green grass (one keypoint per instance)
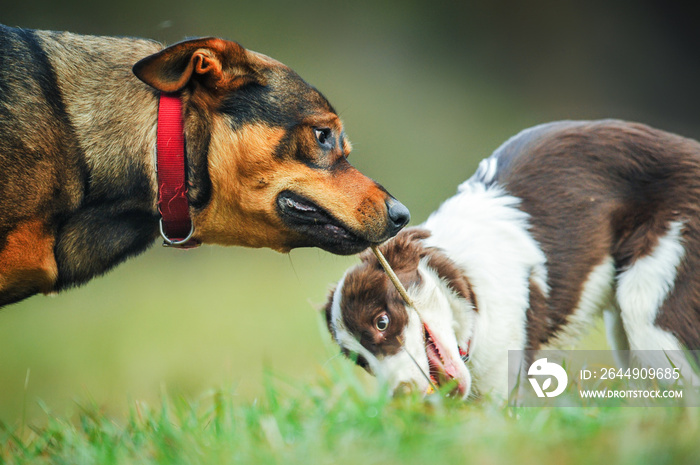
(337, 419)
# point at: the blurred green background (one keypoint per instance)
(426, 89)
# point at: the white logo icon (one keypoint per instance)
(542, 367)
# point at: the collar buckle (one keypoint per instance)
(186, 243)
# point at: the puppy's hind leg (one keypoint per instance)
(617, 338)
(648, 291)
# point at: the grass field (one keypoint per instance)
(126, 371)
(338, 420)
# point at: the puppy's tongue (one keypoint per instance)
(442, 367)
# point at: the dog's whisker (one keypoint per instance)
(339, 354)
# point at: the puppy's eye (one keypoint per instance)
(323, 136)
(382, 322)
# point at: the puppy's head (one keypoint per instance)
(368, 319)
(267, 154)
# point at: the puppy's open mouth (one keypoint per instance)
(319, 226)
(442, 368)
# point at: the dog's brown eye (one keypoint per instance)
(382, 322)
(323, 135)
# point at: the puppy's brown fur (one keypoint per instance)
(266, 156)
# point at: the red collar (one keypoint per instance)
(464, 354)
(176, 226)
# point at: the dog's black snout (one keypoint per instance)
(398, 214)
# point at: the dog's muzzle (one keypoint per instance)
(324, 230)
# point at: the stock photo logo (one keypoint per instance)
(551, 370)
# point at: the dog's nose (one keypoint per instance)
(398, 214)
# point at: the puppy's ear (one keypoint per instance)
(415, 233)
(218, 65)
(447, 270)
(404, 251)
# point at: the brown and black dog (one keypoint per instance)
(266, 156)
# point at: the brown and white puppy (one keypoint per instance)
(564, 222)
(266, 156)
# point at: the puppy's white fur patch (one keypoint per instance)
(485, 233)
(642, 289)
(398, 369)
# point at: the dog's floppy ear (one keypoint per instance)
(217, 64)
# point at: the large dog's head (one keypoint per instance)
(369, 320)
(267, 154)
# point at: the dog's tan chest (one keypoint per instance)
(27, 260)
